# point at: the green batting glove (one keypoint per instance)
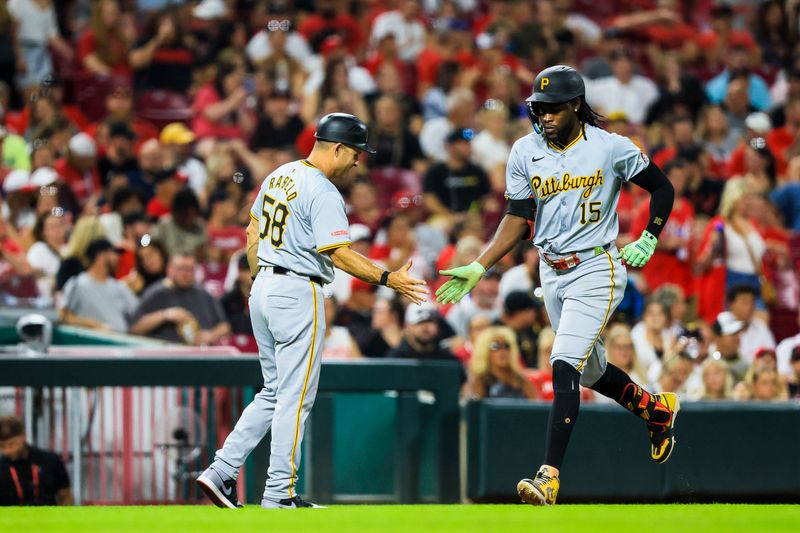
(639, 252)
(464, 280)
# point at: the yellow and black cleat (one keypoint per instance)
(541, 490)
(662, 438)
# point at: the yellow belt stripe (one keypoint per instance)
(305, 386)
(605, 319)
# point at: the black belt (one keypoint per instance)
(286, 272)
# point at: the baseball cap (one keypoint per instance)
(460, 134)
(417, 314)
(44, 176)
(210, 9)
(727, 324)
(176, 133)
(405, 198)
(360, 232)
(519, 301)
(82, 145)
(98, 246)
(18, 180)
(759, 122)
(764, 351)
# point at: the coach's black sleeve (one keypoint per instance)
(662, 195)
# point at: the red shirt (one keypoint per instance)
(87, 45)
(202, 126)
(669, 266)
(342, 24)
(156, 209)
(82, 184)
(230, 238)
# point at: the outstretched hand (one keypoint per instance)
(413, 288)
(464, 279)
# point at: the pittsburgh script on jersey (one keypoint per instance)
(553, 185)
(286, 184)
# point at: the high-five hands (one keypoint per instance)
(413, 288)
(464, 279)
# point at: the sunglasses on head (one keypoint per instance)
(498, 345)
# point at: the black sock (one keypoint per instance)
(617, 385)
(566, 402)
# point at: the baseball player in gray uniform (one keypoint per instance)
(562, 186)
(298, 233)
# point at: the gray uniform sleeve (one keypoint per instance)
(627, 159)
(328, 220)
(518, 185)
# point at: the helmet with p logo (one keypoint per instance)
(556, 85)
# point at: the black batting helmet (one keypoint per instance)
(556, 85)
(345, 129)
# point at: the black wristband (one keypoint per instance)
(385, 277)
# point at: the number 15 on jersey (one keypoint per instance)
(590, 212)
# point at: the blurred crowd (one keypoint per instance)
(134, 135)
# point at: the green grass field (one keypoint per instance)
(398, 518)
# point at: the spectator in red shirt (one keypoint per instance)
(79, 168)
(672, 259)
(166, 184)
(163, 56)
(103, 48)
(119, 108)
(327, 20)
(219, 107)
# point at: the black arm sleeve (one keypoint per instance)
(525, 209)
(662, 195)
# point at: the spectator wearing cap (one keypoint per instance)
(727, 332)
(278, 125)
(20, 193)
(29, 475)
(162, 57)
(495, 370)
(176, 142)
(117, 166)
(758, 128)
(460, 107)
(624, 90)
(103, 48)
(177, 310)
(182, 231)
(44, 256)
(79, 168)
(456, 185)
(756, 333)
(14, 151)
(85, 230)
(421, 336)
(483, 300)
(521, 314)
(328, 19)
(673, 254)
(95, 299)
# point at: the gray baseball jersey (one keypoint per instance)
(575, 189)
(301, 215)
